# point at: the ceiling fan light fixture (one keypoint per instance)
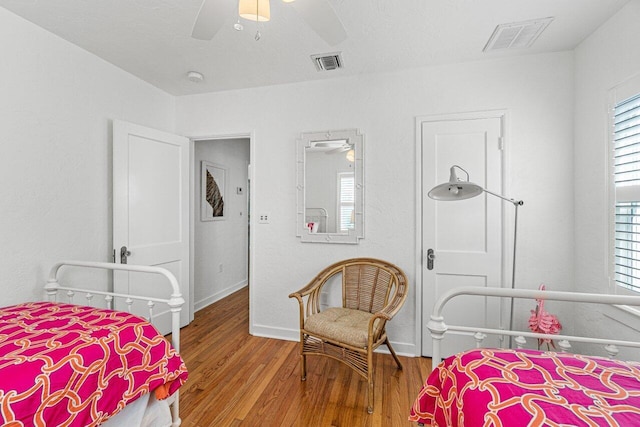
(351, 155)
(254, 10)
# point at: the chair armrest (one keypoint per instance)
(312, 291)
(392, 308)
(316, 283)
(312, 286)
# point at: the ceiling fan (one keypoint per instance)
(318, 14)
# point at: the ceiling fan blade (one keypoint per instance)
(322, 19)
(211, 17)
(339, 150)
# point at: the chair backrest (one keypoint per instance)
(368, 284)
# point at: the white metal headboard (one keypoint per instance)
(438, 327)
(175, 302)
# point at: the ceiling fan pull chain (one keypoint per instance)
(258, 35)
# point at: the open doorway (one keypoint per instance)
(220, 218)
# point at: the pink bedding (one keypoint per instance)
(69, 365)
(487, 387)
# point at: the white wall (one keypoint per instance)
(222, 242)
(56, 109)
(537, 93)
(608, 58)
(55, 157)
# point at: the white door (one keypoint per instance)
(151, 212)
(465, 236)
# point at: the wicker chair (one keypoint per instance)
(372, 293)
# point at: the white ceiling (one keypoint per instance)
(151, 38)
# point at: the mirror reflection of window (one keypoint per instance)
(330, 186)
(346, 201)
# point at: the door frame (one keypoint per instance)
(507, 216)
(195, 209)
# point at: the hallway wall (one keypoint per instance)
(221, 246)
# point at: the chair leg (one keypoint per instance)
(303, 367)
(393, 353)
(370, 381)
(303, 360)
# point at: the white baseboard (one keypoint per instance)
(276, 333)
(402, 349)
(199, 305)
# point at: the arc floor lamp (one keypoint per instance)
(457, 189)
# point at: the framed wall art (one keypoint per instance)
(213, 184)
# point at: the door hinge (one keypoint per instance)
(114, 256)
(500, 143)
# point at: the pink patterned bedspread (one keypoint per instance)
(487, 387)
(63, 364)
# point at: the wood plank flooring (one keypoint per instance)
(236, 379)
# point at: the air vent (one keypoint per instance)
(516, 35)
(327, 61)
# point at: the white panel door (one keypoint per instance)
(465, 236)
(151, 212)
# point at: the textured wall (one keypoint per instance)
(56, 109)
(537, 93)
(607, 59)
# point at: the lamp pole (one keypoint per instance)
(457, 189)
(516, 205)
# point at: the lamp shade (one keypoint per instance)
(254, 10)
(455, 189)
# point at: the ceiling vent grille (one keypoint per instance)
(327, 61)
(516, 35)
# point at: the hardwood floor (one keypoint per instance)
(236, 379)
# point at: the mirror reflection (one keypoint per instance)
(330, 186)
(329, 178)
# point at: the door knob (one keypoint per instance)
(431, 256)
(124, 253)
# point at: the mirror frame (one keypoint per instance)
(306, 140)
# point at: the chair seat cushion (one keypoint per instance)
(341, 324)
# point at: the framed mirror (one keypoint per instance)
(330, 186)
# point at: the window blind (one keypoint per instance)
(626, 156)
(347, 200)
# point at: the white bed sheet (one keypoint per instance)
(146, 411)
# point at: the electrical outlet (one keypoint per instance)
(263, 218)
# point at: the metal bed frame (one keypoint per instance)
(439, 328)
(175, 302)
